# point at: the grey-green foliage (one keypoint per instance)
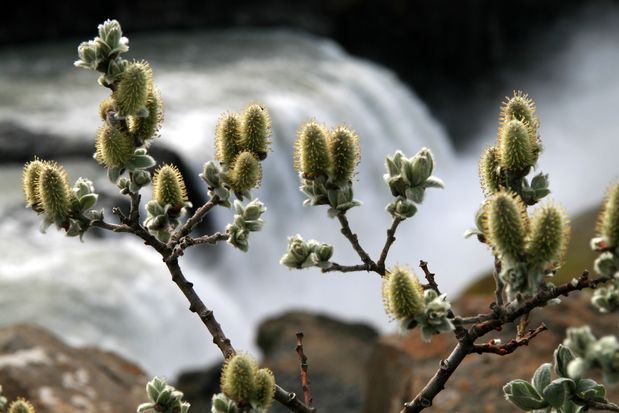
(563, 394)
(606, 298)
(434, 317)
(592, 353)
(213, 175)
(246, 219)
(163, 398)
(159, 221)
(304, 254)
(321, 191)
(408, 179)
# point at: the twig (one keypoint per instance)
(388, 242)
(195, 219)
(429, 276)
(305, 381)
(187, 241)
(466, 343)
(354, 240)
(347, 268)
(511, 345)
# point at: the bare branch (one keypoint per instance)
(347, 268)
(511, 345)
(195, 219)
(187, 241)
(305, 381)
(354, 240)
(388, 242)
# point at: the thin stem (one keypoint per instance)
(187, 241)
(305, 381)
(605, 406)
(511, 345)
(354, 240)
(347, 268)
(195, 219)
(388, 242)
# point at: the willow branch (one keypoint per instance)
(354, 240)
(511, 345)
(195, 219)
(347, 268)
(187, 241)
(305, 381)
(466, 343)
(605, 406)
(388, 242)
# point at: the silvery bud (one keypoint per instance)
(298, 254)
(88, 55)
(422, 165)
(402, 208)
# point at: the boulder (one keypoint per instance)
(58, 378)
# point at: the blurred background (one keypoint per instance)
(403, 74)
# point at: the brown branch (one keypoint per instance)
(388, 242)
(195, 219)
(305, 381)
(347, 268)
(354, 240)
(511, 345)
(466, 343)
(429, 276)
(605, 406)
(187, 241)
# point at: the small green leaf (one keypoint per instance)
(140, 162)
(88, 201)
(542, 377)
(523, 395)
(557, 391)
(588, 389)
(563, 356)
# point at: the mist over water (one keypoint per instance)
(92, 293)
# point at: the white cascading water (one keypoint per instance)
(115, 293)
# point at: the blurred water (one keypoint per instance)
(91, 293)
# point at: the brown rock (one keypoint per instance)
(338, 353)
(57, 378)
(476, 386)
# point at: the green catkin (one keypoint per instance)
(238, 377)
(402, 294)
(245, 173)
(548, 235)
(608, 219)
(145, 128)
(505, 225)
(521, 107)
(228, 138)
(21, 406)
(30, 183)
(54, 192)
(255, 130)
(169, 187)
(312, 154)
(106, 106)
(113, 147)
(344, 152)
(265, 388)
(514, 147)
(133, 89)
(489, 176)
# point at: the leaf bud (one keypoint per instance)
(421, 167)
(111, 33)
(88, 55)
(402, 293)
(238, 377)
(311, 151)
(402, 208)
(238, 237)
(169, 187)
(255, 130)
(113, 148)
(298, 254)
(344, 152)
